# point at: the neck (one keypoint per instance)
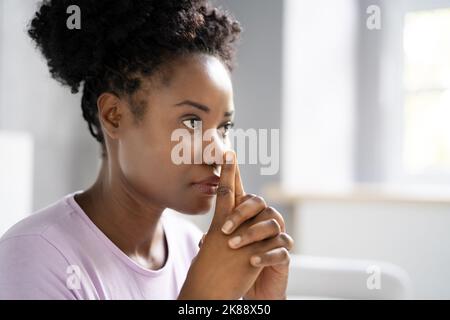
(125, 217)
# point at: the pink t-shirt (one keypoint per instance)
(59, 253)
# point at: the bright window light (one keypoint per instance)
(427, 92)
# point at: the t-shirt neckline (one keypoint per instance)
(70, 199)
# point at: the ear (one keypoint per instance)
(110, 113)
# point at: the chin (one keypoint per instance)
(197, 207)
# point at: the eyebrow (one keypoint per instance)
(201, 107)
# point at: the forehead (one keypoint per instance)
(200, 77)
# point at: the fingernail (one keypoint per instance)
(256, 261)
(227, 227)
(234, 241)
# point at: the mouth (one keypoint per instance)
(208, 186)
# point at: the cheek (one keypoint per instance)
(145, 162)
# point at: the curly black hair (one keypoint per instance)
(122, 41)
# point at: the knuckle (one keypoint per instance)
(259, 200)
(273, 213)
(249, 196)
(274, 225)
(223, 191)
(246, 198)
(286, 240)
(283, 238)
(284, 254)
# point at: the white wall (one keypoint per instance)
(65, 156)
(415, 237)
(318, 93)
(16, 177)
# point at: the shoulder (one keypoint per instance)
(43, 221)
(32, 268)
(32, 262)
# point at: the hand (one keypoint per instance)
(253, 223)
(262, 233)
(218, 271)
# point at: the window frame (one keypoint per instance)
(382, 120)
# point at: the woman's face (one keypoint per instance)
(199, 93)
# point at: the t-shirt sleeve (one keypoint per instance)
(32, 268)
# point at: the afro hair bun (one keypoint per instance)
(116, 30)
(121, 40)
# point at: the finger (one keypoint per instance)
(272, 213)
(283, 240)
(225, 191)
(239, 187)
(248, 209)
(271, 258)
(257, 232)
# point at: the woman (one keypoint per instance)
(147, 69)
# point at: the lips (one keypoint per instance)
(208, 186)
(212, 180)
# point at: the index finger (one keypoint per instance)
(225, 200)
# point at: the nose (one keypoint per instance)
(214, 150)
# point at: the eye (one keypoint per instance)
(225, 129)
(193, 123)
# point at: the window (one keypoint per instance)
(426, 75)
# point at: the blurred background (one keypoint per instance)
(360, 91)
